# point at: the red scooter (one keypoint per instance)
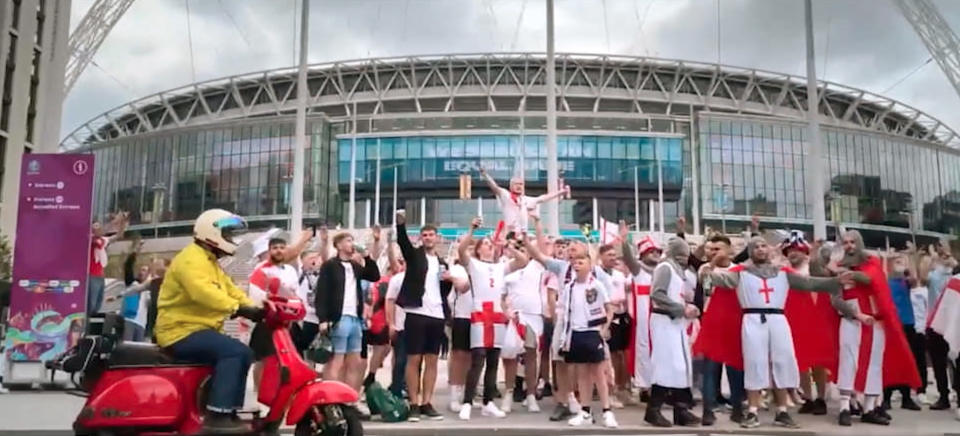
(138, 389)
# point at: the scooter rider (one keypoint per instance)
(195, 299)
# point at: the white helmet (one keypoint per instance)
(218, 228)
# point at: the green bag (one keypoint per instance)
(382, 402)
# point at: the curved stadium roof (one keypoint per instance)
(484, 84)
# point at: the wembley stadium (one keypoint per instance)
(727, 143)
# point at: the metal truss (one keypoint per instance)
(589, 84)
(89, 34)
(936, 34)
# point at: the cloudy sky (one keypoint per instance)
(860, 43)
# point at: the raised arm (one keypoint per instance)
(520, 258)
(552, 195)
(463, 249)
(406, 247)
(293, 251)
(375, 249)
(492, 184)
(629, 257)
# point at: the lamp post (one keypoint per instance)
(159, 190)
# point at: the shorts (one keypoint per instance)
(619, 332)
(424, 335)
(585, 347)
(382, 338)
(460, 340)
(261, 342)
(347, 335)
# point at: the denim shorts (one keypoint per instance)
(347, 335)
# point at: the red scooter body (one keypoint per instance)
(140, 390)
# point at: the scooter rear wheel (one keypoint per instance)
(334, 420)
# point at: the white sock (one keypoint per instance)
(781, 408)
(869, 403)
(752, 410)
(845, 402)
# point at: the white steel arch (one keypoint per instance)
(89, 34)
(937, 36)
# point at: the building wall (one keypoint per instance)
(168, 179)
(33, 55)
(752, 166)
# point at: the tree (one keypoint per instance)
(6, 259)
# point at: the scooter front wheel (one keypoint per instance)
(330, 420)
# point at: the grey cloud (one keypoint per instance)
(870, 45)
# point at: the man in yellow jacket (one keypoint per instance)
(195, 299)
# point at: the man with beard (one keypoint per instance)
(719, 339)
(762, 290)
(814, 324)
(638, 353)
(872, 356)
(672, 311)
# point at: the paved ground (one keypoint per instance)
(51, 413)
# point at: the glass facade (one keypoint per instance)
(430, 166)
(246, 168)
(756, 167)
(602, 159)
(746, 166)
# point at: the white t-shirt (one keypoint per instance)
(918, 299)
(462, 303)
(393, 290)
(307, 295)
(515, 210)
(525, 289)
(432, 300)
(617, 295)
(262, 281)
(349, 290)
(588, 300)
(486, 281)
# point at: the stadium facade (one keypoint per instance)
(727, 143)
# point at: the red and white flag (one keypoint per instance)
(609, 232)
(945, 316)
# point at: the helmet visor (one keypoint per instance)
(231, 227)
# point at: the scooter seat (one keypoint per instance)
(142, 354)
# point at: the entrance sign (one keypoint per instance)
(51, 256)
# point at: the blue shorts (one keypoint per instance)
(347, 335)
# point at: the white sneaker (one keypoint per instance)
(456, 395)
(465, 411)
(922, 399)
(490, 409)
(615, 402)
(4, 390)
(363, 409)
(531, 403)
(573, 404)
(609, 421)
(581, 419)
(506, 405)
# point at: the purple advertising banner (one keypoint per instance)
(50, 259)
